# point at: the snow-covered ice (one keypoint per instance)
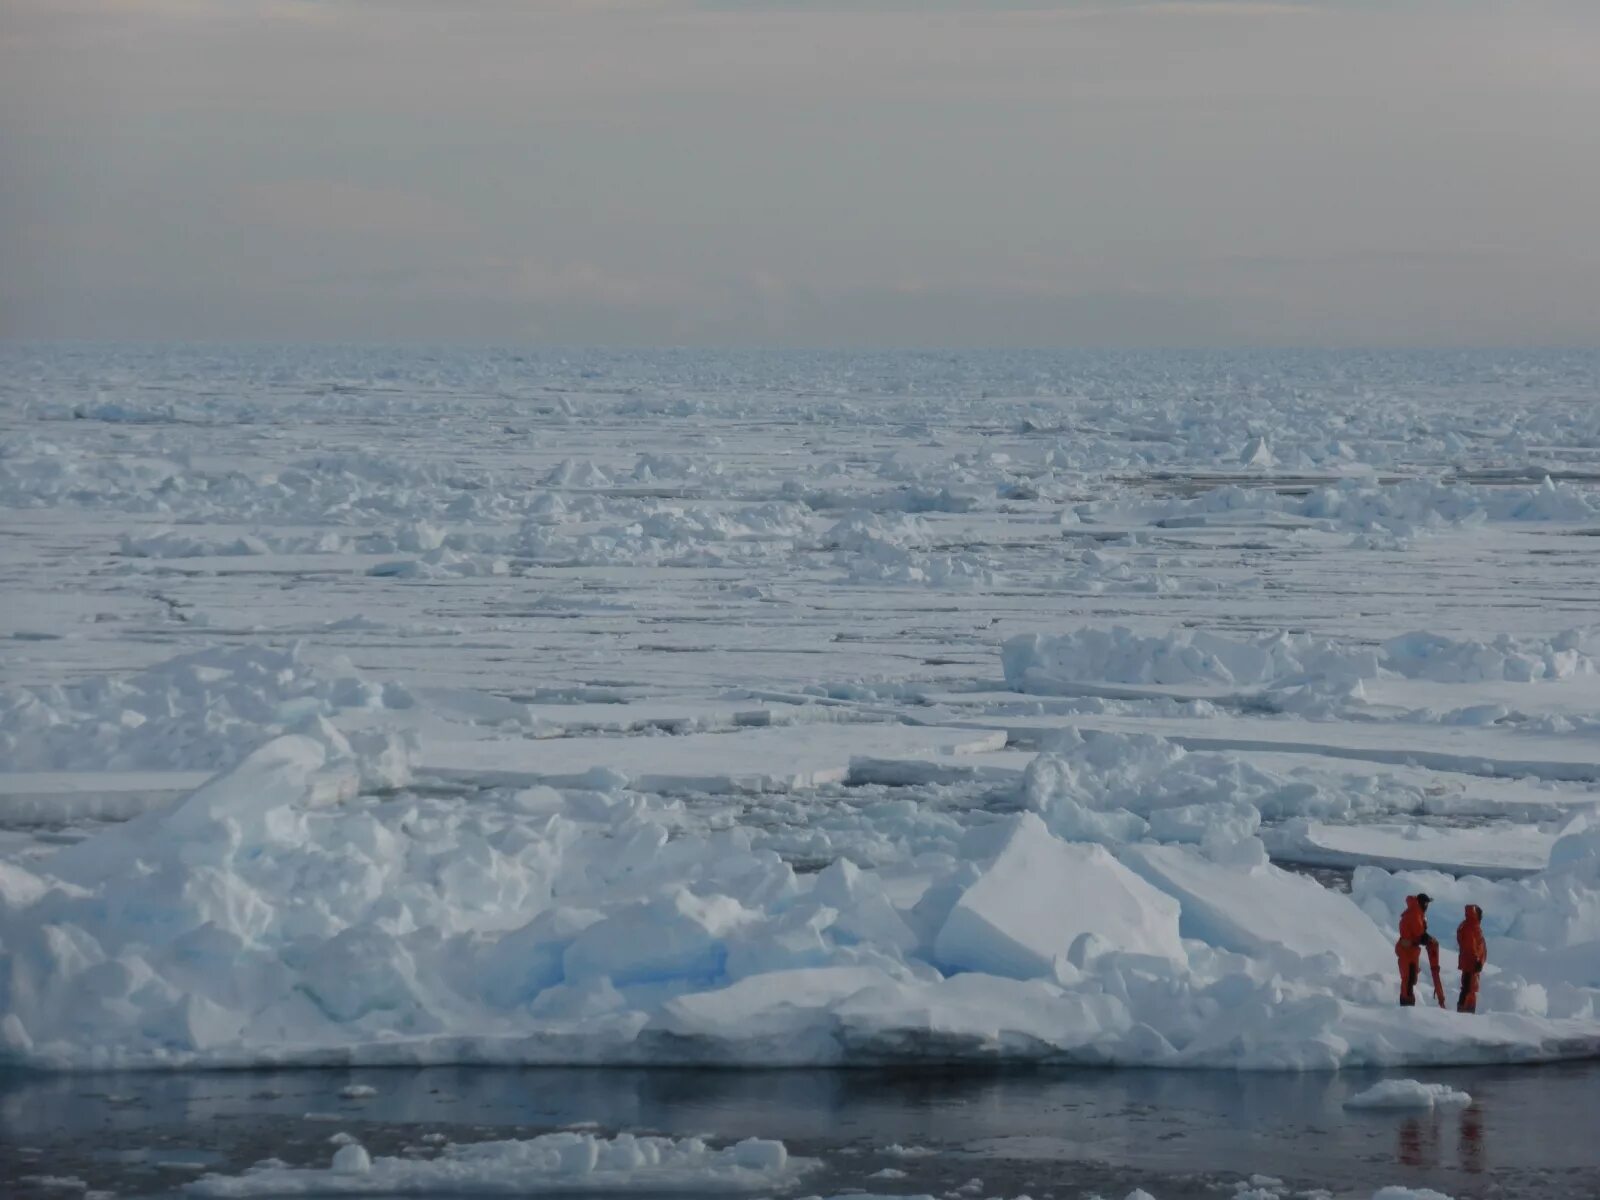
(628, 708)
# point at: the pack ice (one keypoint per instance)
(632, 707)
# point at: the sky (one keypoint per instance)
(948, 173)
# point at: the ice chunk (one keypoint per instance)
(352, 1160)
(681, 935)
(567, 1163)
(983, 1017)
(203, 710)
(1257, 453)
(1578, 843)
(1407, 1093)
(766, 1004)
(19, 887)
(1047, 665)
(1251, 909)
(1061, 664)
(1039, 895)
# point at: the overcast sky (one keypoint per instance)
(944, 173)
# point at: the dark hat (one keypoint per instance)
(1424, 899)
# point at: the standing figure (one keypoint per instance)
(1474, 953)
(1414, 938)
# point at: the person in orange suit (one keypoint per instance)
(1414, 938)
(1474, 953)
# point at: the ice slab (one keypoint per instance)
(681, 716)
(1041, 899)
(1577, 696)
(1463, 749)
(1491, 852)
(782, 1003)
(1253, 909)
(756, 760)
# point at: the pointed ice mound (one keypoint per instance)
(1257, 452)
(1039, 898)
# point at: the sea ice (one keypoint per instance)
(569, 1163)
(367, 707)
(1040, 899)
(1407, 1093)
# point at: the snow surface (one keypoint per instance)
(621, 708)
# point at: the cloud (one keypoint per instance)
(1146, 172)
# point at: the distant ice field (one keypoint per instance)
(602, 707)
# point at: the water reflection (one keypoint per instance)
(1420, 1140)
(1417, 1141)
(1470, 1143)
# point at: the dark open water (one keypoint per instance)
(1531, 1132)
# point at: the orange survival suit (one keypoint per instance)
(1474, 953)
(1414, 936)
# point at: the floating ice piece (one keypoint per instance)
(19, 887)
(1395, 1192)
(1407, 1093)
(569, 1163)
(352, 1159)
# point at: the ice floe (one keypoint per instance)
(286, 912)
